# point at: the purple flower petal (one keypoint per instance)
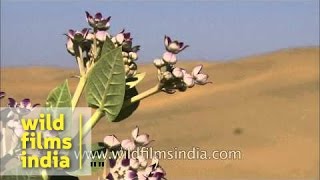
(183, 48)
(109, 177)
(125, 162)
(167, 41)
(12, 103)
(71, 33)
(84, 32)
(180, 44)
(126, 35)
(35, 105)
(112, 163)
(131, 175)
(25, 103)
(98, 16)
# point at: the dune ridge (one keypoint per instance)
(266, 105)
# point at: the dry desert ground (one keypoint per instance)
(265, 105)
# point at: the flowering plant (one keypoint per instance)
(108, 75)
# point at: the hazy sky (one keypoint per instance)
(31, 31)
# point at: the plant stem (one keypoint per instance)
(4, 143)
(80, 61)
(95, 52)
(142, 95)
(92, 122)
(44, 174)
(78, 92)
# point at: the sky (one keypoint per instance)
(32, 31)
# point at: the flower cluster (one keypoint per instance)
(172, 77)
(129, 168)
(17, 110)
(86, 44)
(129, 52)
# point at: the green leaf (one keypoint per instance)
(128, 110)
(60, 96)
(106, 84)
(136, 79)
(107, 46)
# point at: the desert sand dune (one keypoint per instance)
(266, 105)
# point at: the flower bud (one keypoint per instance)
(143, 139)
(173, 47)
(111, 141)
(113, 39)
(167, 75)
(202, 79)
(158, 62)
(133, 55)
(130, 61)
(199, 77)
(169, 58)
(131, 73)
(125, 54)
(90, 37)
(188, 79)
(133, 66)
(69, 46)
(120, 38)
(101, 35)
(125, 60)
(126, 68)
(182, 87)
(177, 72)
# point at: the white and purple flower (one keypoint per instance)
(98, 22)
(199, 77)
(2, 94)
(174, 46)
(77, 36)
(22, 108)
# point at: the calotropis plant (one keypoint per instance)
(108, 74)
(127, 167)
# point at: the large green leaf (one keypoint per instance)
(106, 84)
(136, 79)
(107, 46)
(59, 96)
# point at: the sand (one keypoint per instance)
(266, 106)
